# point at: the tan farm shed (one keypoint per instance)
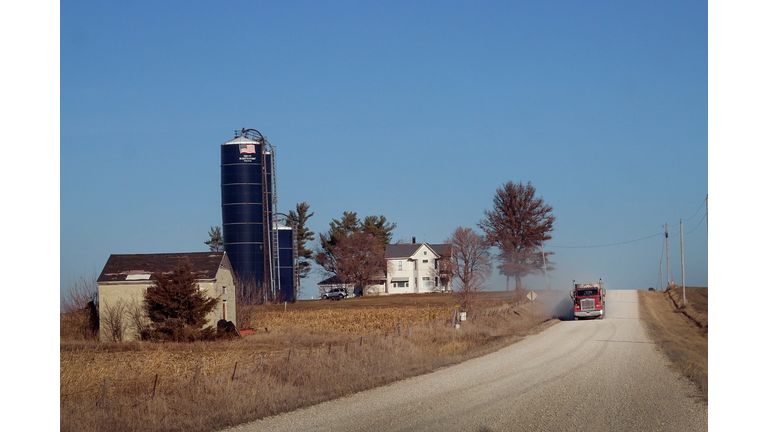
(125, 278)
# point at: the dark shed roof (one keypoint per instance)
(119, 268)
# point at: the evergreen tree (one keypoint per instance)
(339, 230)
(216, 242)
(379, 228)
(175, 304)
(337, 256)
(303, 236)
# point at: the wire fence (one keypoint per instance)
(147, 386)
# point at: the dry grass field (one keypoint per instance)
(311, 351)
(301, 354)
(681, 334)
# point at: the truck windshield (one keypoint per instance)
(587, 292)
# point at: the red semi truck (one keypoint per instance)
(588, 300)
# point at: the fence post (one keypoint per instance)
(233, 372)
(154, 386)
(104, 392)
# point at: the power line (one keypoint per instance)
(661, 261)
(605, 245)
(697, 225)
(643, 238)
(697, 211)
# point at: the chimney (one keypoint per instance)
(413, 240)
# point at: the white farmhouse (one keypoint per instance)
(411, 268)
(418, 268)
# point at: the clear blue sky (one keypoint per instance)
(417, 111)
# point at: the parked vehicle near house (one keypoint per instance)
(335, 294)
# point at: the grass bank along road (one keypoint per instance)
(576, 375)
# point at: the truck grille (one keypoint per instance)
(587, 304)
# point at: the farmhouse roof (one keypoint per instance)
(120, 268)
(407, 250)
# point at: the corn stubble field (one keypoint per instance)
(301, 354)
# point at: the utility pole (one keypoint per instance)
(666, 240)
(544, 260)
(682, 259)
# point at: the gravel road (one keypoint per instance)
(576, 375)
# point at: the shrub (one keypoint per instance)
(177, 307)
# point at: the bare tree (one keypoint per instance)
(518, 225)
(470, 264)
(250, 293)
(80, 306)
(442, 274)
(137, 317)
(357, 259)
(113, 320)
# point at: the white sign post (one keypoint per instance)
(531, 296)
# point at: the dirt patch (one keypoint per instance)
(681, 334)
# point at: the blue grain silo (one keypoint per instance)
(288, 257)
(247, 205)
